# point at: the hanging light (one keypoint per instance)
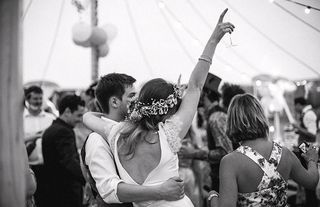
(307, 10)
(271, 129)
(258, 82)
(271, 1)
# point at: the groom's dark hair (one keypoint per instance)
(113, 84)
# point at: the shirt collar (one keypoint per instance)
(306, 108)
(26, 113)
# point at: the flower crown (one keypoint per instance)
(137, 109)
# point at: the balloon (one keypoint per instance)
(111, 31)
(98, 36)
(103, 50)
(81, 33)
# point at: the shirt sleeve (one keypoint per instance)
(99, 159)
(110, 128)
(310, 121)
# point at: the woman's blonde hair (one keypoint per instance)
(246, 119)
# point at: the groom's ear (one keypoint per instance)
(114, 102)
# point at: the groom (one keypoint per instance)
(113, 93)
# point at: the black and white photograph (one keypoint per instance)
(159, 103)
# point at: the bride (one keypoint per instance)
(145, 146)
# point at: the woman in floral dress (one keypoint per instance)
(256, 174)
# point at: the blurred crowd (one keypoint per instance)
(169, 144)
(55, 135)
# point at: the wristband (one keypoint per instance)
(214, 194)
(206, 59)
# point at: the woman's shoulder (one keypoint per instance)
(231, 162)
(233, 158)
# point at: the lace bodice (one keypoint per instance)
(272, 187)
(171, 129)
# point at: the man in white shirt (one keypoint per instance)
(114, 91)
(35, 121)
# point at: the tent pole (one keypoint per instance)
(13, 161)
(94, 49)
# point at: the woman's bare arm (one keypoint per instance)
(228, 187)
(198, 76)
(305, 177)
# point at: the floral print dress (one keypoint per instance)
(272, 187)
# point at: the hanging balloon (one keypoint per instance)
(313, 93)
(111, 31)
(103, 50)
(81, 33)
(98, 36)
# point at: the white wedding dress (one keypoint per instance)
(167, 167)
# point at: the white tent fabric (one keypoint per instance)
(164, 38)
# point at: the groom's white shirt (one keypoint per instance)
(100, 161)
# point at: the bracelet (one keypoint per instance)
(206, 59)
(214, 194)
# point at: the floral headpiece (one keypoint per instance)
(137, 109)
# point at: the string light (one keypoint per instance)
(297, 17)
(271, 40)
(258, 82)
(271, 129)
(307, 7)
(307, 10)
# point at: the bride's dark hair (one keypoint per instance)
(137, 131)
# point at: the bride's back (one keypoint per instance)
(145, 158)
(139, 145)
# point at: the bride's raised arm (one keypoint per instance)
(198, 76)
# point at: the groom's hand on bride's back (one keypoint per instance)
(172, 189)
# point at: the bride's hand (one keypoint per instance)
(221, 29)
(172, 189)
